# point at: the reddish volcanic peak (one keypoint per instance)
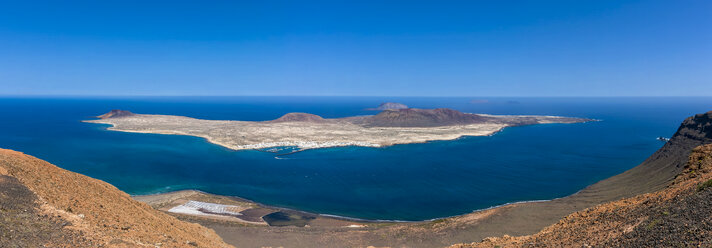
(115, 114)
(413, 117)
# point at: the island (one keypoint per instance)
(308, 131)
(389, 105)
(655, 203)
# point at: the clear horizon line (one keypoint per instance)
(404, 96)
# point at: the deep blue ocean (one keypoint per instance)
(402, 182)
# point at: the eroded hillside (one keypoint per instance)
(45, 206)
(678, 216)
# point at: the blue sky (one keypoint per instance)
(362, 48)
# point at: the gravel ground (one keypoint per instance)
(23, 225)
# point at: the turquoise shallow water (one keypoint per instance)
(402, 182)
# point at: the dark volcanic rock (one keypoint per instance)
(300, 117)
(413, 117)
(656, 172)
(116, 113)
(698, 127)
(667, 201)
(684, 221)
(671, 159)
(389, 105)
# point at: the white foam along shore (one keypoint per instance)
(306, 144)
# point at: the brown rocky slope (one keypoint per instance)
(678, 216)
(46, 206)
(516, 219)
(678, 212)
(412, 117)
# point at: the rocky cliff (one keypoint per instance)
(666, 201)
(665, 164)
(678, 216)
(42, 205)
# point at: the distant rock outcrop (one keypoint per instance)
(479, 101)
(116, 113)
(389, 105)
(413, 117)
(300, 117)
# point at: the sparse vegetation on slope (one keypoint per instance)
(66, 206)
(678, 216)
(24, 224)
(705, 185)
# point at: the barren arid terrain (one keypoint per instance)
(42, 205)
(307, 131)
(672, 164)
(678, 216)
(664, 202)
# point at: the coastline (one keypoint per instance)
(328, 228)
(173, 125)
(497, 220)
(153, 196)
(308, 131)
(528, 216)
(307, 145)
(470, 130)
(514, 219)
